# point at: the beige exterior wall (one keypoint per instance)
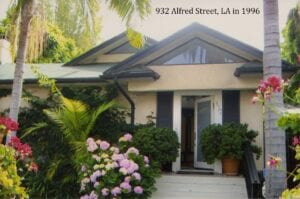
(145, 105)
(37, 91)
(252, 115)
(195, 77)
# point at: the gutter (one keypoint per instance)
(58, 80)
(131, 102)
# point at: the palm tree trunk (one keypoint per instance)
(26, 15)
(274, 138)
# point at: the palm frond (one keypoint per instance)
(95, 114)
(126, 9)
(34, 129)
(136, 39)
(52, 168)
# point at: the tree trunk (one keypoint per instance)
(274, 138)
(26, 15)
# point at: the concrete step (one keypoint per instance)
(191, 186)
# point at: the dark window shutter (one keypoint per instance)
(164, 116)
(231, 106)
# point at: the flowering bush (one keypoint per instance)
(266, 89)
(23, 155)
(10, 181)
(116, 172)
(15, 160)
(7, 125)
(288, 122)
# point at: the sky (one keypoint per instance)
(247, 28)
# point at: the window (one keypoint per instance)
(197, 51)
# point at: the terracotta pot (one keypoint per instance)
(231, 166)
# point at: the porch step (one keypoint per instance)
(180, 186)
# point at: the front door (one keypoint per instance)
(203, 118)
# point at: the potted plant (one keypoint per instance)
(225, 142)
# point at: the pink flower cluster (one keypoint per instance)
(126, 138)
(92, 145)
(266, 88)
(7, 124)
(274, 162)
(107, 160)
(23, 152)
(296, 140)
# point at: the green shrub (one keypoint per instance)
(58, 178)
(159, 144)
(10, 181)
(218, 141)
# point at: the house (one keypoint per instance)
(194, 77)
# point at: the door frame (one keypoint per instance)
(203, 165)
(216, 96)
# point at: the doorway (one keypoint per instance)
(196, 114)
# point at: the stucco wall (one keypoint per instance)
(145, 105)
(40, 92)
(195, 77)
(252, 115)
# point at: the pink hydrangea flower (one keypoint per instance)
(127, 179)
(126, 186)
(96, 157)
(138, 190)
(95, 175)
(123, 171)
(132, 167)
(105, 191)
(115, 191)
(115, 150)
(85, 197)
(96, 184)
(117, 157)
(133, 150)
(126, 138)
(137, 176)
(104, 145)
(146, 160)
(93, 195)
(125, 163)
(98, 142)
(92, 146)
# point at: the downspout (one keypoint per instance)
(132, 105)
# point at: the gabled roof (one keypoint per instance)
(116, 41)
(192, 31)
(195, 30)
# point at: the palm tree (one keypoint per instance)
(26, 8)
(125, 8)
(274, 138)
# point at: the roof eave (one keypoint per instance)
(128, 75)
(259, 70)
(59, 80)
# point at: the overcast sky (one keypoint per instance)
(245, 27)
